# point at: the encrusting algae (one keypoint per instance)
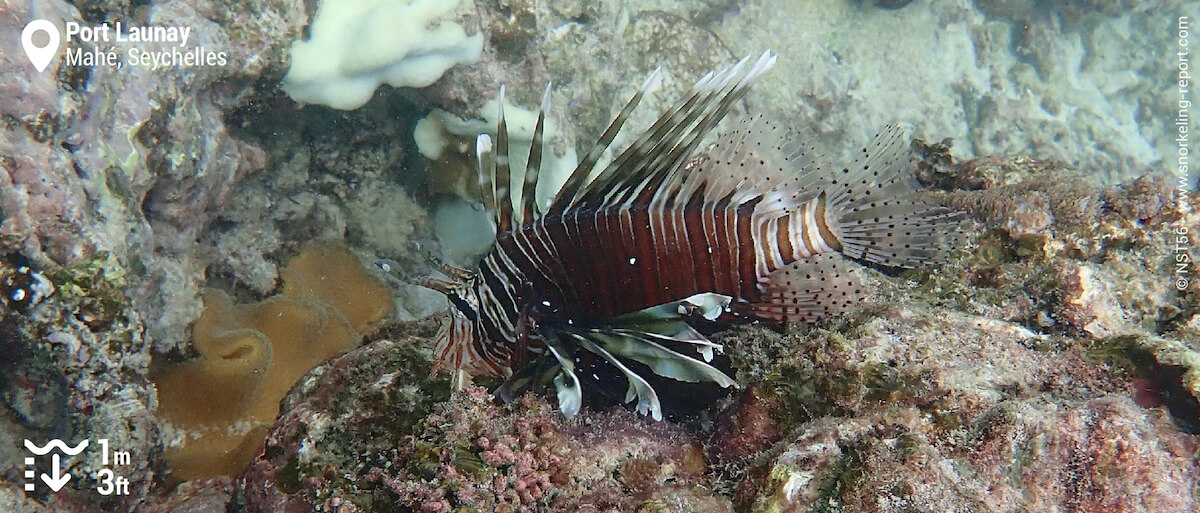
(250, 355)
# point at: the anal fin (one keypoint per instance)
(809, 290)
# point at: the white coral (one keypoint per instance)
(356, 45)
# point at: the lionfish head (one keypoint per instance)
(459, 343)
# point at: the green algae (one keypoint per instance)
(841, 476)
(290, 478)
(96, 286)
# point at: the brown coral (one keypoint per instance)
(250, 355)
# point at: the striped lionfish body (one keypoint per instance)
(623, 257)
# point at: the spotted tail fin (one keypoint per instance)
(809, 214)
(876, 211)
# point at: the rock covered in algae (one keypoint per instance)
(1050, 367)
(74, 369)
(334, 178)
(222, 403)
(107, 158)
(368, 431)
(921, 409)
(1099, 455)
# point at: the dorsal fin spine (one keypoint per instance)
(607, 181)
(485, 167)
(502, 179)
(529, 207)
(578, 177)
(616, 188)
(668, 161)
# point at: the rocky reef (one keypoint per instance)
(467, 454)
(971, 386)
(1053, 364)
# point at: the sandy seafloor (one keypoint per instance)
(152, 218)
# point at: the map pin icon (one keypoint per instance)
(40, 56)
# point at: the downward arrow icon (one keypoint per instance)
(59, 480)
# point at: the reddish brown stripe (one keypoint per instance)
(588, 244)
(725, 271)
(556, 232)
(610, 281)
(784, 241)
(698, 242)
(582, 272)
(646, 267)
(745, 253)
(823, 228)
(626, 232)
(675, 256)
(592, 264)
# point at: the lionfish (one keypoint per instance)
(624, 258)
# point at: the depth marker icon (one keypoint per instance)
(56, 479)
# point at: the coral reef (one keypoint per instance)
(74, 369)
(202, 496)
(1062, 255)
(222, 403)
(106, 158)
(1073, 81)
(922, 408)
(1099, 455)
(1047, 368)
(104, 184)
(1062, 81)
(954, 389)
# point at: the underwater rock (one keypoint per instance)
(200, 496)
(108, 159)
(337, 178)
(1063, 254)
(1022, 455)
(221, 404)
(75, 369)
(13, 498)
(369, 431)
(924, 408)
(1166, 373)
(44, 205)
(746, 429)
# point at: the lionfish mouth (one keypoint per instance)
(626, 256)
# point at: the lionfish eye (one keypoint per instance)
(462, 306)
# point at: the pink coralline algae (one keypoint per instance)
(468, 454)
(1052, 368)
(1023, 456)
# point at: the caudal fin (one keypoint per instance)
(876, 210)
(810, 213)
